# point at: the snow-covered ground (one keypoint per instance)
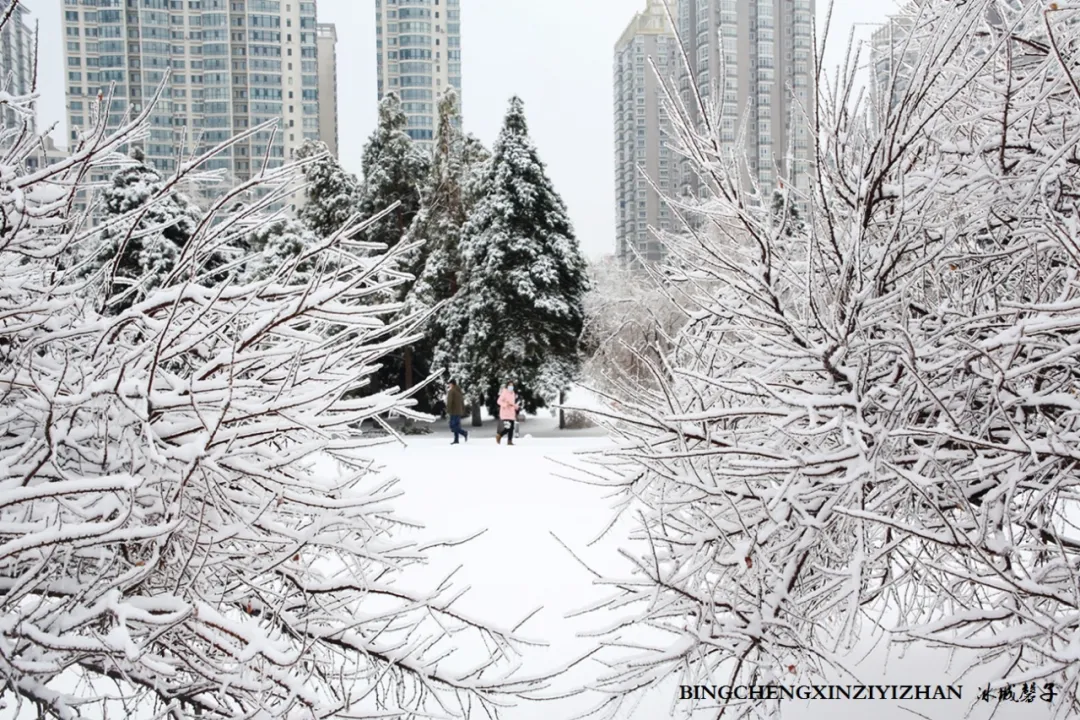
(521, 496)
(516, 566)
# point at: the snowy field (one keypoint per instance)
(518, 496)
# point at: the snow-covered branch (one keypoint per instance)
(185, 509)
(870, 425)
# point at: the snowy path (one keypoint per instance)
(516, 566)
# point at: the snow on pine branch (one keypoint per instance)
(870, 425)
(164, 524)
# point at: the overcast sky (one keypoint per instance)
(555, 54)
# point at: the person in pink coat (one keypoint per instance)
(508, 411)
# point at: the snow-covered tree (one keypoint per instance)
(437, 263)
(867, 432)
(187, 522)
(394, 173)
(331, 192)
(474, 159)
(136, 250)
(630, 318)
(394, 170)
(275, 243)
(519, 315)
(448, 325)
(442, 214)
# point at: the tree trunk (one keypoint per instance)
(408, 368)
(562, 415)
(477, 421)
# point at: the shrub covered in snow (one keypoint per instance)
(630, 323)
(870, 424)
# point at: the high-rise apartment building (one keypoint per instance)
(16, 58)
(751, 59)
(755, 57)
(644, 163)
(234, 64)
(326, 43)
(419, 56)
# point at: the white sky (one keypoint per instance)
(555, 54)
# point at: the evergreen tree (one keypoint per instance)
(332, 192)
(786, 212)
(143, 236)
(277, 243)
(441, 215)
(448, 327)
(519, 316)
(436, 264)
(394, 172)
(474, 159)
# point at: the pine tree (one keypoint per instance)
(786, 212)
(332, 192)
(519, 316)
(143, 236)
(276, 244)
(454, 188)
(441, 215)
(474, 159)
(394, 172)
(437, 263)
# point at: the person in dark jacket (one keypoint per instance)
(455, 408)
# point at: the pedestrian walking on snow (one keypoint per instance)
(455, 408)
(508, 412)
